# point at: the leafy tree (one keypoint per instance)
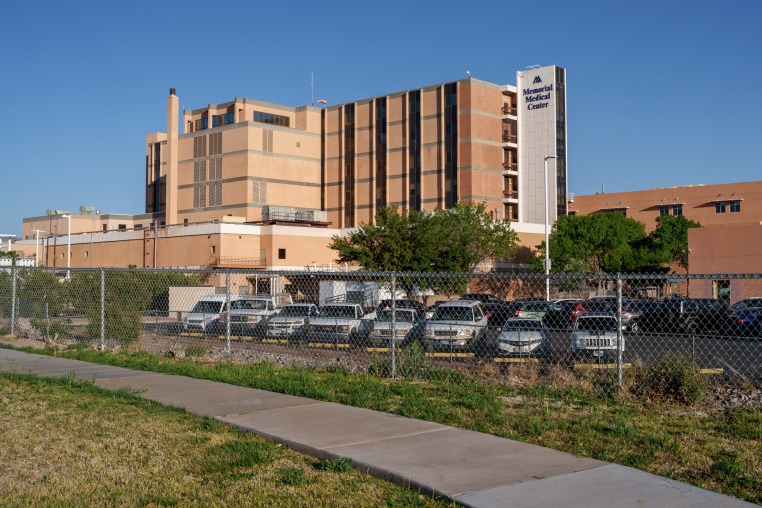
(598, 243)
(671, 238)
(444, 241)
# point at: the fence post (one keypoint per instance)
(227, 310)
(103, 309)
(619, 334)
(13, 300)
(393, 334)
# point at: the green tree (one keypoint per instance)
(602, 242)
(444, 241)
(670, 238)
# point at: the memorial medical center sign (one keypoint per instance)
(539, 97)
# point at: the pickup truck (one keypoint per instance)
(249, 315)
(339, 323)
(291, 321)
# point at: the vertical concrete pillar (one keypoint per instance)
(173, 111)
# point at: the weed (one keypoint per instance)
(291, 476)
(674, 378)
(337, 465)
(240, 453)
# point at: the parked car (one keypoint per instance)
(204, 315)
(651, 318)
(456, 325)
(381, 332)
(521, 336)
(338, 323)
(291, 321)
(562, 315)
(755, 301)
(249, 315)
(745, 321)
(536, 309)
(403, 303)
(500, 312)
(595, 335)
(694, 315)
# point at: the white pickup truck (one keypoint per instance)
(249, 314)
(340, 323)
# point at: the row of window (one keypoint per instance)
(721, 206)
(676, 209)
(272, 119)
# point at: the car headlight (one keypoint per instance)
(465, 332)
(344, 328)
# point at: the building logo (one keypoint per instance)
(537, 79)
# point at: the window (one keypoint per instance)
(185, 222)
(663, 210)
(281, 253)
(204, 123)
(677, 210)
(105, 227)
(214, 249)
(122, 227)
(272, 119)
(216, 120)
(735, 206)
(229, 118)
(138, 226)
(719, 207)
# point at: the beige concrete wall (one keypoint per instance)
(192, 246)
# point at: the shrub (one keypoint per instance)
(673, 378)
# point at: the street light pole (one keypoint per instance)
(547, 247)
(68, 246)
(37, 246)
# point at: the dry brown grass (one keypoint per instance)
(75, 445)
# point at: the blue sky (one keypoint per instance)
(659, 93)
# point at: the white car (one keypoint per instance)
(380, 333)
(521, 336)
(595, 334)
(456, 325)
(340, 323)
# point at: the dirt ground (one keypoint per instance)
(721, 395)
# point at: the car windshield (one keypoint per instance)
(338, 311)
(295, 311)
(522, 325)
(453, 314)
(597, 324)
(251, 304)
(399, 315)
(207, 307)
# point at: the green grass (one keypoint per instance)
(699, 445)
(70, 443)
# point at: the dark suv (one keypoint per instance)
(694, 315)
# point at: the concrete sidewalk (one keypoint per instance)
(474, 469)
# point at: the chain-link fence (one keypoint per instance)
(400, 324)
